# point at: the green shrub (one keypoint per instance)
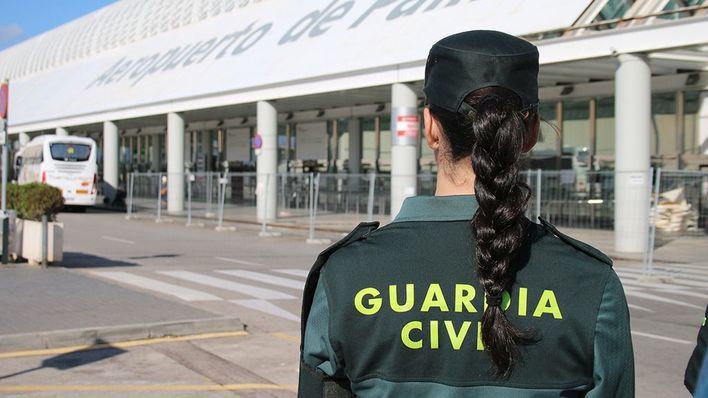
(32, 201)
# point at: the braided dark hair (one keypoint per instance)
(493, 133)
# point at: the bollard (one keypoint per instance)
(314, 197)
(209, 190)
(221, 202)
(159, 197)
(649, 255)
(264, 224)
(190, 178)
(538, 193)
(130, 184)
(5, 238)
(45, 239)
(370, 203)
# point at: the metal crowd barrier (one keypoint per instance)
(325, 205)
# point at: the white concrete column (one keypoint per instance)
(405, 129)
(155, 153)
(110, 159)
(175, 163)
(267, 161)
(355, 146)
(632, 153)
(61, 131)
(24, 139)
(703, 123)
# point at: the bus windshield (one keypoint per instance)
(68, 152)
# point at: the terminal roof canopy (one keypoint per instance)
(270, 49)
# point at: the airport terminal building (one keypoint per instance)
(335, 86)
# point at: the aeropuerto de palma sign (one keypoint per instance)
(272, 43)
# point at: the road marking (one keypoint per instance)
(640, 308)
(294, 272)
(268, 308)
(120, 344)
(687, 266)
(674, 281)
(235, 261)
(119, 240)
(685, 293)
(649, 296)
(668, 273)
(265, 278)
(662, 286)
(657, 337)
(257, 292)
(180, 292)
(287, 337)
(147, 388)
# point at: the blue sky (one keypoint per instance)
(22, 19)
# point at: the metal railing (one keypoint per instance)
(326, 205)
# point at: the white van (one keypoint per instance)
(66, 162)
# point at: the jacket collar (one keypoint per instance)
(438, 208)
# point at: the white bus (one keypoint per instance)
(66, 162)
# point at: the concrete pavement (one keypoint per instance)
(260, 281)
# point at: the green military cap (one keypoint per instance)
(467, 61)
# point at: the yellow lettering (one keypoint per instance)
(523, 298)
(548, 304)
(374, 304)
(406, 335)
(434, 341)
(464, 294)
(434, 298)
(480, 343)
(393, 298)
(456, 339)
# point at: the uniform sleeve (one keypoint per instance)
(318, 351)
(697, 358)
(614, 358)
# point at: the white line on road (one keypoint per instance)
(676, 282)
(640, 308)
(257, 292)
(180, 292)
(668, 273)
(119, 240)
(265, 278)
(268, 308)
(235, 261)
(294, 272)
(657, 337)
(652, 297)
(661, 286)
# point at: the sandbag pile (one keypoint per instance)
(675, 214)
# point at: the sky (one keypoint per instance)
(23, 19)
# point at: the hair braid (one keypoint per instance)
(498, 130)
(493, 134)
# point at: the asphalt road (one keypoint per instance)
(260, 280)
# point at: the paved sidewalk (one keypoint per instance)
(54, 307)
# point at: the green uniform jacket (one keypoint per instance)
(396, 313)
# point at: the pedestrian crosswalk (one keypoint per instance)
(276, 292)
(245, 288)
(673, 285)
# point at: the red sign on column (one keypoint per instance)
(4, 95)
(407, 126)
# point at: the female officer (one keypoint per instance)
(461, 295)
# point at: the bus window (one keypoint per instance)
(70, 152)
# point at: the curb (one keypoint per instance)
(114, 334)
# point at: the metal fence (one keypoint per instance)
(672, 204)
